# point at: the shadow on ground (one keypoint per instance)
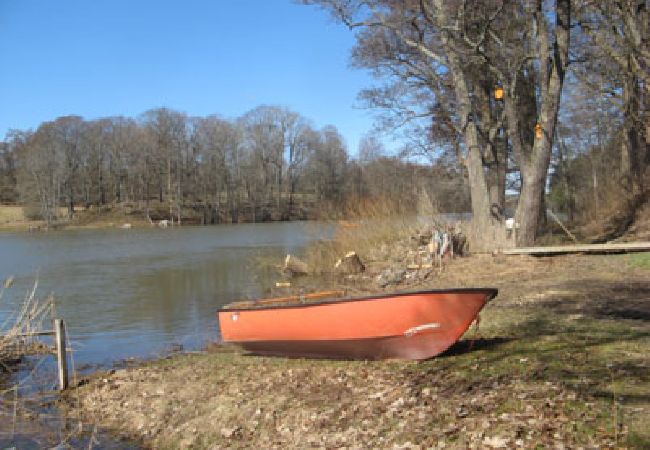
(469, 345)
(604, 300)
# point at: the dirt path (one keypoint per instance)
(562, 360)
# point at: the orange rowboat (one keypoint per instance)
(409, 325)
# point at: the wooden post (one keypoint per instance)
(61, 355)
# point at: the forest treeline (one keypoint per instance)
(269, 164)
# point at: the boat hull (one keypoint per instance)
(413, 325)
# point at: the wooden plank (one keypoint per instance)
(621, 247)
(35, 333)
(61, 355)
(289, 299)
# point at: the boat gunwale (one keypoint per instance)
(491, 292)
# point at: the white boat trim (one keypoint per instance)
(420, 328)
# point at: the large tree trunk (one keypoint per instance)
(495, 151)
(497, 176)
(632, 158)
(535, 168)
(486, 233)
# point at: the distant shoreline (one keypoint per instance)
(13, 219)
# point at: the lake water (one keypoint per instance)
(136, 293)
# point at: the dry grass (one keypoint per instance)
(366, 237)
(372, 227)
(640, 229)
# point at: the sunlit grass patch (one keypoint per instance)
(11, 213)
(641, 260)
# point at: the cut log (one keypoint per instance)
(349, 264)
(294, 266)
(423, 237)
(459, 242)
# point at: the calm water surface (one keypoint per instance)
(135, 293)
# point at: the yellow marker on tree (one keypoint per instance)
(538, 131)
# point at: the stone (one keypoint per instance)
(294, 266)
(349, 264)
(389, 277)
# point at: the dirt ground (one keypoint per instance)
(561, 360)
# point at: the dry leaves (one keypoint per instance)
(272, 403)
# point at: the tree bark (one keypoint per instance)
(552, 70)
(487, 233)
(632, 164)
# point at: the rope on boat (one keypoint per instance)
(477, 323)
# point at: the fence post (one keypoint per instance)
(61, 355)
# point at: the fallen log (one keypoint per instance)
(621, 247)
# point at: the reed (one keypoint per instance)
(19, 330)
(372, 232)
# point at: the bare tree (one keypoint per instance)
(40, 172)
(327, 164)
(615, 64)
(434, 47)
(67, 138)
(168, 129)
(270, 164)
(8, 150)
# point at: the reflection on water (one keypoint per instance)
(127, 293)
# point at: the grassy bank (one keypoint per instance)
(130, 215)
(561, 358)
(14, 218)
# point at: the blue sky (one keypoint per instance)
(98, 58)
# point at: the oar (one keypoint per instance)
(291, 298)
